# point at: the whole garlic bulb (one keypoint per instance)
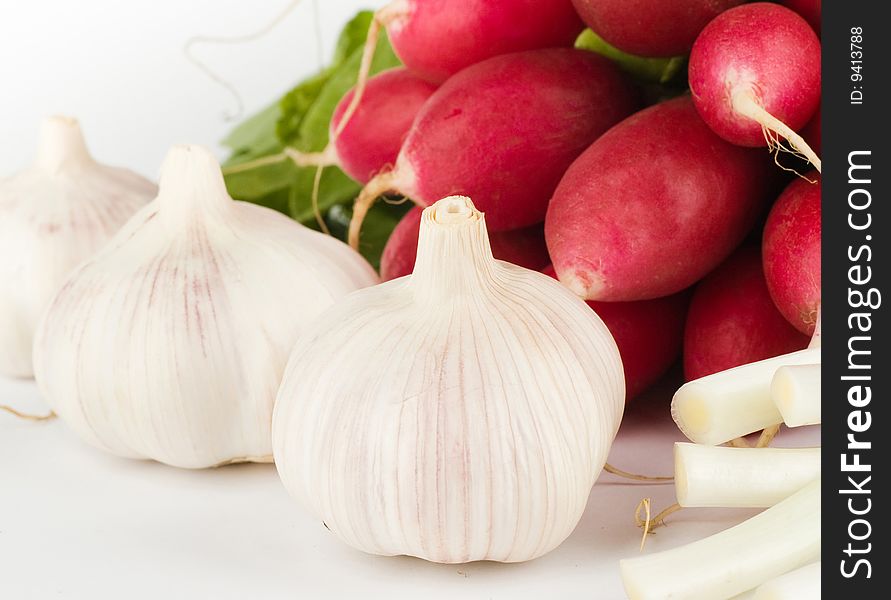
(170, 344)
(457, 414)
(54, 215)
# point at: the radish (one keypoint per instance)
(523, 247)
(652, 206)
(648, 334)
(810, 10)
(732, 321)
(648, 28)
(373, 136)
(791, 249)
(755, 76)
(502, 132)
(438, 38)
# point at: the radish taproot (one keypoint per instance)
(732, 320)
(648, 28)
(791, 251)
(755, 76)
(647, 332)
(503, 131)
(371, 139)
(652, 206)
(524, 247)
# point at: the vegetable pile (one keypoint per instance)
(567, 215)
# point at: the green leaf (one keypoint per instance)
(254, 135)
(352, 37)
(294, 106)
(376, 229)
(335, 187)
(652, 70)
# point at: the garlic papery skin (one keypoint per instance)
(721, 476)
(170, 344)
(54, 215)
(457, 414)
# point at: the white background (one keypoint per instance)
(119, 67)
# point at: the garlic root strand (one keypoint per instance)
(26, 416)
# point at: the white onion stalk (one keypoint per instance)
(783, 537)
(741, 477)
(800, 584)
(726, 405)
(796, 393)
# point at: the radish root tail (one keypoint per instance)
(747, 105)
(379, 184)
(648, 523)
(634, 476)
(28, 417)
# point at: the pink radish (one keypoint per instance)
(810, 10)
(523, 247)
(791, 248)
(372, 138)
(648, 334)
(755, 76)
(652, 206)
(648, 28)
(438, 38)
(502, 132)
(732, 320)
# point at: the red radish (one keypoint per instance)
(652, 206)
(755, 76)
(372, 138)
(812, 132)
(502, 132)
(648, 28)
(732, 320)
(648, 334)
(791, 248)
(524, 247)
(811, 10)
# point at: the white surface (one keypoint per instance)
(77, 523)
(120, 68)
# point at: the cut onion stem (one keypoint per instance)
(795, 390)
(720, 476)
(783, 537)
(726, 405)
(801, 584)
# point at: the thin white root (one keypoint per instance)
(720, 407)
(26, 416)
(380, 184)
(801, 584)
(747, 105)
(239, 39)
(649, 523)
(718, 476)
(326, 158)
(634, 476)
(786, 536)
(796, 393)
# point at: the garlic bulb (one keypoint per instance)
(170, 344)
(54, 215)
(460, 413)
